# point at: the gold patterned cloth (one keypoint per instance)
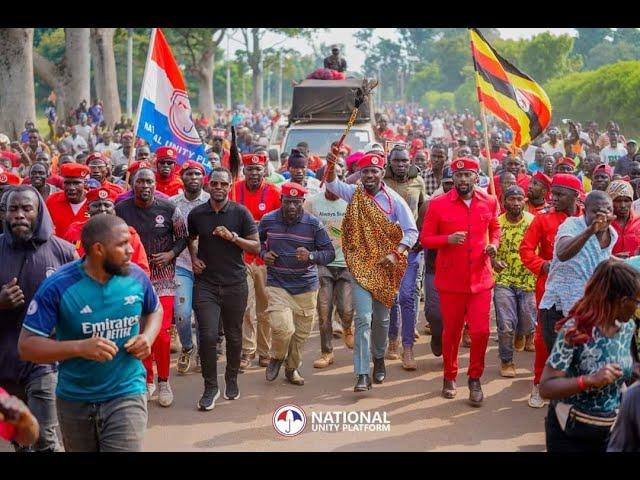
(368, 236)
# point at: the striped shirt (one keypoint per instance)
(287, 272)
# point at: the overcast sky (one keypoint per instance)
(355, 57)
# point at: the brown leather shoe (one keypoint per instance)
(392, 350)
(529, 345)
(475, 392)
(507, 370)
(408, 361)
(518, 343)
(324, 361)
(466, 338)
(348, 338)
(263, 361)
(293, 376)
(449, 388)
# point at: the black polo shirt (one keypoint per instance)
(224, 259)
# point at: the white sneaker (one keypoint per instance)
(151, 390)
(337, 329)
(165, 395)
(535, 400)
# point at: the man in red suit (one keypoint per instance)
(167, 179)
(536, 252)
(458, 225)
(70, 205)
(102, 200)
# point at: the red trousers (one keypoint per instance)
(458, 309)
(541, 354)
(161, 348)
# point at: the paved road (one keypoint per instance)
(420, 419)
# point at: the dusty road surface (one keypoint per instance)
(419, 418)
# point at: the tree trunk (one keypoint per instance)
(256, 67)
(17, 102)
(76, 68)
(204, 73)
(49, 73)
(105, 75)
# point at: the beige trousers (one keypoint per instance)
(256, 319)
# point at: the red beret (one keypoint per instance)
(9, 178)
(254, 159)
(371, 160)
(166, 153)
(542, 178)
(464, 163)
(101, 194)
(74, 170)
(603, 168)
(191, 164)
(135, 166)
(567, 180)
(566, 161)
(291, 189)
(95, 156)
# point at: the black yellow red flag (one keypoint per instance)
(511, 95)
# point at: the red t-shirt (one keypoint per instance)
(7, 430)
(62, 214)
(264, 200)
(171, 187)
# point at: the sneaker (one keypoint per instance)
(175, 340)
(337, 329)
(529, 345)
(392, 350)
(184, 360)
(208, 399)
(348, 338)
(231, 390)
(518, 343)
(507, 369)
(408, 361)
(535, 400)
(324, 361)
(165, 395)
(151, 390)
(245, 360)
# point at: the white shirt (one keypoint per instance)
(608, 154)
(112, 147)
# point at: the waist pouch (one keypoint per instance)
(582, 425)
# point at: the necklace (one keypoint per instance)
(372, 197)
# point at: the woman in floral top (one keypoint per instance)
(590, 361)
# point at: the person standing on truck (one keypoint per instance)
(335, 61)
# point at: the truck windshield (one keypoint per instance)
(320, 140)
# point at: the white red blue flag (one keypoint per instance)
(164, 112)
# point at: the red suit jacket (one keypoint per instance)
(462, 268)
(62, 214)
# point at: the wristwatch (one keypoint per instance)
(235, 237)
(312, 257)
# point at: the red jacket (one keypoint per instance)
(139, 257)
(117, 189)
(537, 245)
(171, 187)
(629, 236)
(62, 214)
(533, 210)
(462, 268)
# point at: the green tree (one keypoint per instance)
(588, 38)
(425, 77)
(452, 53)
(386, 55)
(547, 56)
(606, 53)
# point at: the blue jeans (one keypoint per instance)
(116, 425)
(406, 301)
(432, 310)
(515, 315)
(182, 307)
(371, 319)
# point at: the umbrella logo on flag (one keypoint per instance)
(289, 420)
(180, 118)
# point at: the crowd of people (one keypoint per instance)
(114, 256)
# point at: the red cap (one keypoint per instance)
(135, 166)
(464, 163)
(9, 178)
(417, 143)
(371, 160)
(542, 178)
(567, 180)
(191, 164)
(603, 168)
(74, 170)
(101, 194)
(294, 190)
(566, 161)
(254, 159)
(166, 153)
(95, 156)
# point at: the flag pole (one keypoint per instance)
(483, 113)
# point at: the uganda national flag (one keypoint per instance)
(508, 93)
